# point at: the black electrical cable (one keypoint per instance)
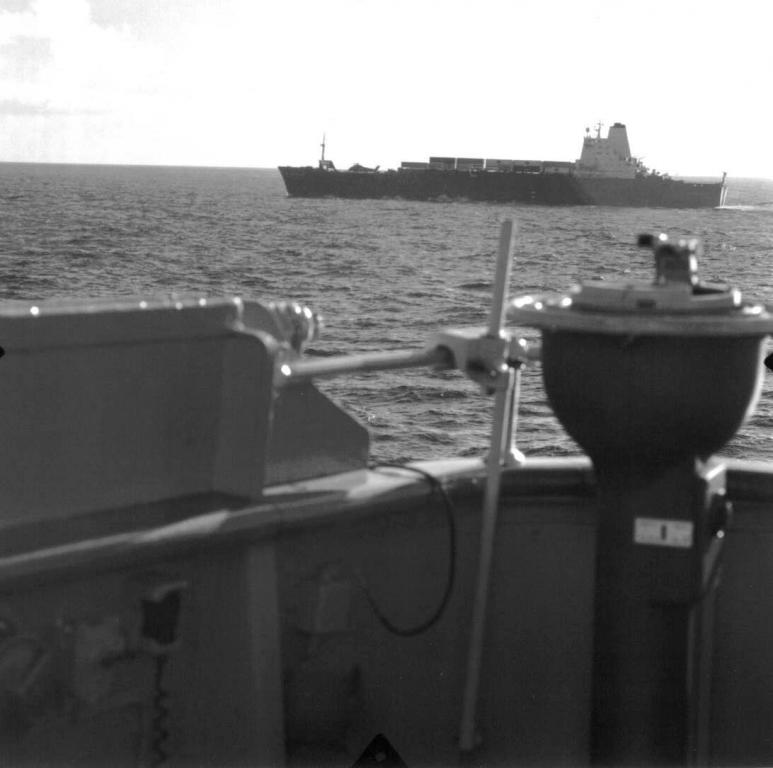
(437, 487)
(160, 713)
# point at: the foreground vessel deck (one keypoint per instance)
(198, 565)
(280, 658)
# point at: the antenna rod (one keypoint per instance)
(501, 446)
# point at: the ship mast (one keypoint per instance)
(325, 165)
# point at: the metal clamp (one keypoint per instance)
(483, 358)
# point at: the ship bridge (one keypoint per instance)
(608, 157)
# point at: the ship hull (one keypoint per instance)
(502, 187)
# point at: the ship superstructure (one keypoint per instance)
(607, 157)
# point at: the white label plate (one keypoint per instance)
(663, 533)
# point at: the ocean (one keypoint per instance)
(383, 274)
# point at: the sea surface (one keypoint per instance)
(383, 274)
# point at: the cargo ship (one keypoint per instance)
(605, 174)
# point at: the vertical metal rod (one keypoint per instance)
(503, 405)
(488, 530)
(512, 456)
(501, 280)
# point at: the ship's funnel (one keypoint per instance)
(618, 140)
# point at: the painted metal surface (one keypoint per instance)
(114, 404)
(254, 678)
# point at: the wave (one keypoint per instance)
(477, 285)
(316, 352)
(766, 207)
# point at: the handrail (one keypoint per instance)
(292, 371)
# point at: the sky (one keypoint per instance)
(256, 83)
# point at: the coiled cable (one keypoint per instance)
(448, 507)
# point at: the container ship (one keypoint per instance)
(605, 174)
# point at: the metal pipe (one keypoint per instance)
(500, 448)
(293, 371)
(497, 317)
(488, 530)
(512, 456)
